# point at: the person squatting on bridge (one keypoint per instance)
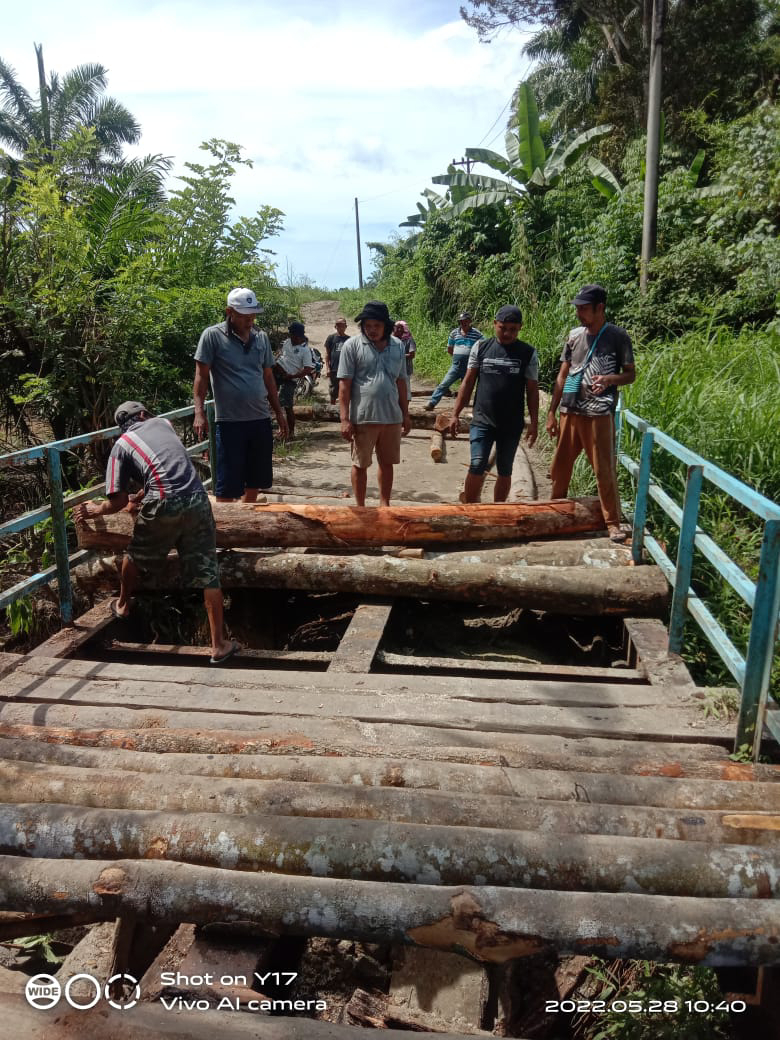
(295, 360)
(597, 358)
(506, 371)
(237, 359)
(373, 399)
(459, 345)
(174, 511)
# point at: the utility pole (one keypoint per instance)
(357, 233)
(464, 162)
(653, 148)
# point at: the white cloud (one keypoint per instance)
(330, 101)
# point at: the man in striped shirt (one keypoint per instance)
(174, 512)
(459, 345)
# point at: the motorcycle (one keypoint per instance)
(304, 385)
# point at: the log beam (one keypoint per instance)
(243, 526)
(490, 924)
(366, 850)
(573, 591)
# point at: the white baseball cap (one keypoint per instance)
(244, 301)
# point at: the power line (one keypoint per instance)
(506, 106)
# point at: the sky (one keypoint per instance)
(330, 100)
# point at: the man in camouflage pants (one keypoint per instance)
(174, 511)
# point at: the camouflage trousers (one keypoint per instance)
(186, 524)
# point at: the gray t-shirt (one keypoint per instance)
(236, 372)
(151, 453)
(374, 374)
(613, 352)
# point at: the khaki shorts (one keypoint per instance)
(385, 438)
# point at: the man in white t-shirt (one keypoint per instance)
(295, 360)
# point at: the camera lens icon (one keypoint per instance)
(42, 992)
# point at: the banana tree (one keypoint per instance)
(436, 203)
(527, 168)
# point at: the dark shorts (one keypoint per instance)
(482, 439)
(286, 389)
(186, 524)
(244, 457)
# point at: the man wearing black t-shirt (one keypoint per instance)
(506, 372)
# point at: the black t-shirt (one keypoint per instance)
(500, 396)
(333, 345)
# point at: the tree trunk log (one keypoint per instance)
(241, 526)
(368, 850)
(490, 924)
(437, 446)
(562, 785)
(421, 420)
(574, 552)
(629, 591)
(27, 782)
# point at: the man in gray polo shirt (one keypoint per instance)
(373, 399)
(237, 359)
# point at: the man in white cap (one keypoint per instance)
(236, 358)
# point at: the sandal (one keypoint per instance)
(225, 657)
(115, 611)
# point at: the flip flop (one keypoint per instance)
(113, 608)
(221, 660)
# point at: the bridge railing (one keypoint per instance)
(59, 503)
(753, 671)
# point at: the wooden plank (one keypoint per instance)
(510, 667)
(284, 733)
(541, 712)
(304, 657)
(649, 640)
(360, 642)
(8, 662)
(329, 684)
(69, 639)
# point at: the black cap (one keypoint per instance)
(375, 310)
(510, 313)
(464, 316)
(590, 294)
(127, 413)
(296, 327)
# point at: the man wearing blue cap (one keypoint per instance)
(236, 358)
(506, 372)
(596, 360)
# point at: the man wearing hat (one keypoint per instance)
(236, 358)
(459, 345)
(373, 399)
(598, 358)
(295, 360)
(506, 371)
(175, 512)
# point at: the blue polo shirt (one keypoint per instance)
(236, 372)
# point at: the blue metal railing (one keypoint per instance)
(59, 503)
(753, 671)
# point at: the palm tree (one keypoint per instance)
(31, 125)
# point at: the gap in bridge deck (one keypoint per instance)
(284, 629)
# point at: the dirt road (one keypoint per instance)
(322, 472)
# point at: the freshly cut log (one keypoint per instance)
(437, 446)
(488, 923)
(628, 591)
(421, 420)
(368, 850)
(241, 526)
